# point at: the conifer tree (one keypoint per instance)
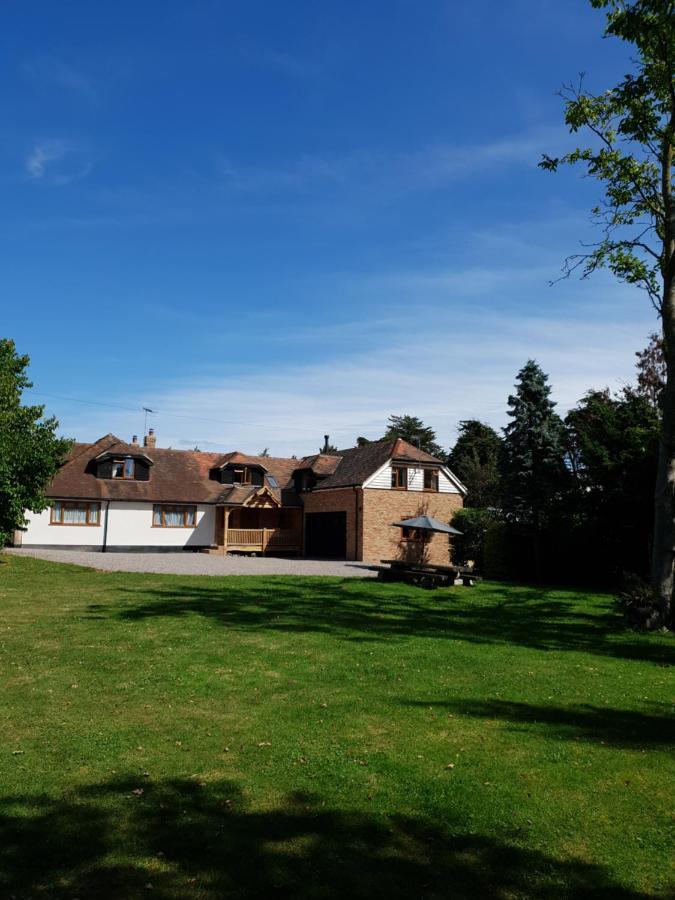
(414, 431)
(475, 461)
(533, 468)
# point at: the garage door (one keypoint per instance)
(326, 535)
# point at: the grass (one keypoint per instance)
(184, 737)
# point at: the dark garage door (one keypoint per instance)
(326, 535)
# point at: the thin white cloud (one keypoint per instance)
(443, 364)
(57, 162)
(423, 169)
(279, 61)
(48, 72)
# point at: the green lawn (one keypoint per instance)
(182, 737)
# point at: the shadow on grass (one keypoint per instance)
(180, 839)
(595, 724)
(365, 610)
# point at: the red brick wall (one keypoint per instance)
(382, 507)
(339, 500)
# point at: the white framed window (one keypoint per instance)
(75, 512)
(168, 515)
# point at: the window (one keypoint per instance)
(413, 534)
(124, 468)
(242, 475)
(304, 481)
(271, 480)
(431, 479)
(399, 478)
(165, 516)
(71, 512)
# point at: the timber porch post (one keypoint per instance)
(226, 525)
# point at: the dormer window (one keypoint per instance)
(241, 474)
(124, 468)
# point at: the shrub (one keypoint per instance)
(638, 603)
(474, 524)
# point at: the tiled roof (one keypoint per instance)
(122, 449)
(177, 476)
(320, 463)
(185, 476)
(358, 463)
(242, 459)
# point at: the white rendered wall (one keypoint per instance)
(129, 525)
(41, 532)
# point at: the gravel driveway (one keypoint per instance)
(201, 563)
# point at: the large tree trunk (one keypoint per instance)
(663, 555)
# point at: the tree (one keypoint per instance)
(30, 452)
(264, 452)
(329, 449)
(475, 461)
(651, 369)
(615, 448)
(413, 430)
(631, 154)
(533, 468)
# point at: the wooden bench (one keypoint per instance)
(425, 574)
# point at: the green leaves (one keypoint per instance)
(631, 132)
(30, 451)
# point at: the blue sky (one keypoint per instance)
(269, 221)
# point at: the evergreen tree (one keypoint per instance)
(413, 430)
(475, 461)
(30, 452)
(533, 468)
(651, 372)
(613, 449)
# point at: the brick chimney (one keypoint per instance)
(150, 440)
(134, 440)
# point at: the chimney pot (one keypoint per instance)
(134, 439)
(150, 439)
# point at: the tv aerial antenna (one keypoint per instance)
(146, 410)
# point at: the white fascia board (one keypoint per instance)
(455, 480)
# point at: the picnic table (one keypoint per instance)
(426, 574)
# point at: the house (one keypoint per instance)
(112, 495)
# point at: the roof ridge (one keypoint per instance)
(84, 447)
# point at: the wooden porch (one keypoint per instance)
(263, 540)
(261, 526)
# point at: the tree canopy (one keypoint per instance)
(413, 430)
(30, 451)
(630, 152)
(613, 446)
(475, 461)
(533, 455)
